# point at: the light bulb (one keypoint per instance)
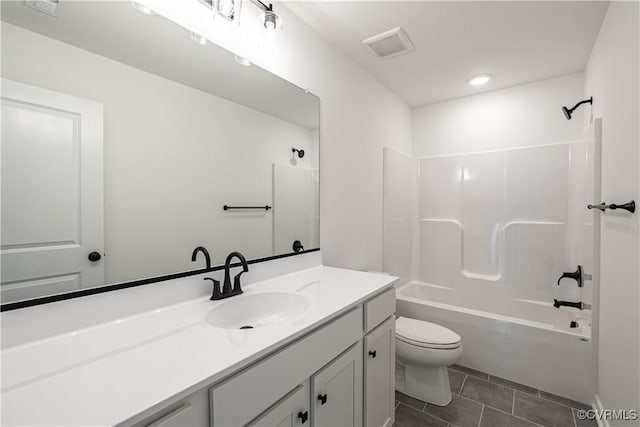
(270, 20)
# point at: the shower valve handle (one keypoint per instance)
(576, 275)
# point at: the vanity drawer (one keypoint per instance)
(240, 399)
(379, 308)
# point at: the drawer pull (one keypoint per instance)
(322, 398)
(304, 416)
(372, 353)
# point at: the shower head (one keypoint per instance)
(569, 111)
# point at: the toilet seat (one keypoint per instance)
(426, 334)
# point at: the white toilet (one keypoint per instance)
(423, 352)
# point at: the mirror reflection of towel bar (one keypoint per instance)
(631, 206)
(228, 208)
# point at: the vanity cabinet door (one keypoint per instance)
(290, 411)
(379, 375)
(337, 391)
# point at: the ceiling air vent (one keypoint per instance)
(390, 43)
(50, 7)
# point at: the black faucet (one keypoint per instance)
(576, 275)
(216, 283)
(578, 305)
(227, 291)
(204, 250)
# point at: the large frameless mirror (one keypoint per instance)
(127, 143)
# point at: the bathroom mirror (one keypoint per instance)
(123, 139)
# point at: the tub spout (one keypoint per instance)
(579, 305)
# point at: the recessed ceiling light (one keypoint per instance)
(142, 8)
(198, 38)
(480, 79)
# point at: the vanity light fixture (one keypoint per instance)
(200, 39)
(142, 8)
(228, 10)
(270, 20)
(480, 79)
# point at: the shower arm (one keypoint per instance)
(586, 101)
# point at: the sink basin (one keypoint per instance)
(258, 310)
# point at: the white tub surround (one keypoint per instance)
(489, 234)
(125, 370)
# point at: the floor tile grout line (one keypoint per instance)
(462, 385)
(517, 416)
(513, 403)
(481, 413)
(562, 404)
(412, 407)
(439, 419)
(573, 414)
(536, 392)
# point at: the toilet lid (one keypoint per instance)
(425, 332)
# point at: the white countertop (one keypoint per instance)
(109, 373)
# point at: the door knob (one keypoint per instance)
(322, 398)
(94, 256)
(372, 353)
(304, 416)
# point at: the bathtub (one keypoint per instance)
(528, 342)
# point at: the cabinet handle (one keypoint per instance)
(304, 416)
(372, 353)
(322, 398)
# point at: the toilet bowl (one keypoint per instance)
(423, 352)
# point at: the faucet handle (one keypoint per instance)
(575, 275)
(236, 284)
(216, 295)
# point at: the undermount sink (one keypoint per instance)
(258, 310)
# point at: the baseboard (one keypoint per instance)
(597, 406)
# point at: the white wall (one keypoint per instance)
(611, 77)
(358, 118)
(173, 157)
(520, 116)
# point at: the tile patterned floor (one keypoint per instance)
(483, 400)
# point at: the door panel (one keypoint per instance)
(337, 391)
(379, 378)
(52, 192)
(291, 411)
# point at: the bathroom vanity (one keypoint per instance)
(321, 352)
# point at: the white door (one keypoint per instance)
(51, 193)
(337, 391)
